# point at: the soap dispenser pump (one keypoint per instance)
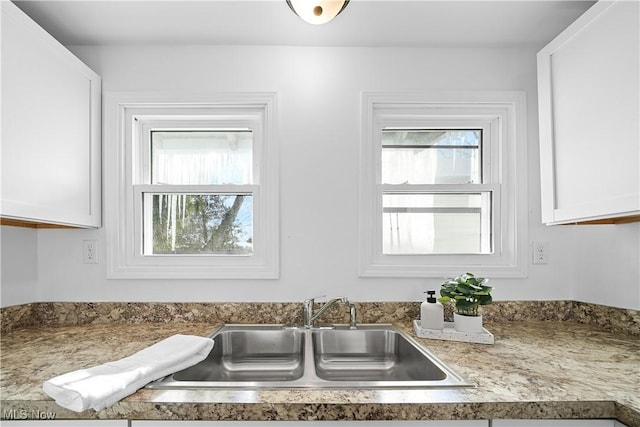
(431, 313)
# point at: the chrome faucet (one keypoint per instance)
(352, 316)
(310, 317)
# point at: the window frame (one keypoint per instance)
(502, 117)
(129, 118)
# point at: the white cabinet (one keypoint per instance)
(555, 423)
(51, 128)
(588, 90)
(385, 423)
(65, 423)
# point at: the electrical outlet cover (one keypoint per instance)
(90, 251)
(540, 253)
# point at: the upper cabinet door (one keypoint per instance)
(588, 90)
(51, 121)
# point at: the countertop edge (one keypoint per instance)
(132, 409)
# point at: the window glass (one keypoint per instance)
(431, 156)
(419, 220)
(198, 224)
(214, 157)
(436, 223)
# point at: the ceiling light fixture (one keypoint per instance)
(317, 11)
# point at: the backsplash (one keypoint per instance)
(73, 313)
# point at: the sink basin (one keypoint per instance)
(255, 354)
(371, 355)
(275, 356)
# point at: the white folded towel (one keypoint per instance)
(101, 386)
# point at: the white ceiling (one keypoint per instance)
(411, 23)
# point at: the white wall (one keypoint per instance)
(319, 128)
(607, 264)
(18, 265)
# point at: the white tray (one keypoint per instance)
(449, 333)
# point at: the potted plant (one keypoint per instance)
(467, 293)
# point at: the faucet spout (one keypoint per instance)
(310, 317)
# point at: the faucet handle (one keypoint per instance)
(352, 316)
(314, 298)
(307, 311)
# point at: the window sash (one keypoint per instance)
(144, 223)
(490, 213)
(484, 212)
(417, 171)
(142, 165)
(201, 156)
(489, 128)
(167, 229)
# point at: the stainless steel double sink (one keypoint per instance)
(277, 356)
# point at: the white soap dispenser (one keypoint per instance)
(431, 313)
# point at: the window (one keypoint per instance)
(196, 192)
(442, 185)
(417, 218)
(185, 209)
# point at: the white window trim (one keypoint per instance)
(506, 113)
(124, 185)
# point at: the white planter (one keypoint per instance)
(468, 324)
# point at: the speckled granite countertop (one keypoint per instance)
(535, 369)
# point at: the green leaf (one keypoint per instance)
(485, 299)
(468, 292)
